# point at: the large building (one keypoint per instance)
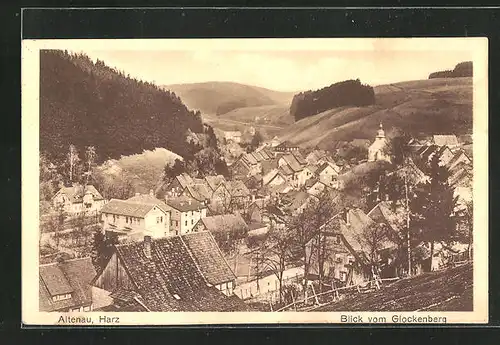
(136, 217)
(184, 214)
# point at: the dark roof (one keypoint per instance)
(224, 222)
(324, 166)
(298, 156)
(286, 144)
(237, 188)
(285, 170)
(184, 204)
(171, 279)
(75, 193)
(215, 181)
(456, 157)
(292, 162)
(67, 277)
(200, 192)
(127, 208)
(207, 255)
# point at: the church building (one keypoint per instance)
(377, 148)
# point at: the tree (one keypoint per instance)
(173, 169)
(434, 208)
(90, 158)
(73, 160)
(257, 139)
(277, 254)
(102, 248)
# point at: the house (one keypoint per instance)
(314, 157)
(459, 157)
(376, 151)
(136, 217)
(299, 201)
(255, 212)
(291, 167)
(180, 273)
(215, 181)
(443, 153)
(233, 136)
(184, 214)
(327, 173)
(254, 182)
(78, 199)
(285, 147)
(223, 223)
(198, 191)
(274, 142)
(257, 229)
(240, 195)
(245, 165)
(274, 178)
(315, 187)
(176, 187)
(307, 173)
(65, 286)
(340, 264)
(449, 140)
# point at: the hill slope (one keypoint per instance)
(417, 107)
(221, 97)
(448, 290)
(86, 103)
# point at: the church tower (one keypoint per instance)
(376, 149)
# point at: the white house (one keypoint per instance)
(134, 218)
(79, 199)
(185, 213)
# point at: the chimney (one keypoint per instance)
(147, 246)
(151, 192)
(189, 201)
(253, 197)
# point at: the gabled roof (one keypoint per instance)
(200, 192)
(314, 156)
(292, 162)
(456, 157)
(185, 204)
(213, 266)
(298, 156)
(224, 223)
(67, 277)
(215, 181)
(172, 278)
(326, 165)
(269, 165)
(127, 208)
(286, 144)
(184, 180)
(300, 198)
(258, 156)
(265, 154)
(441, 140)
(75, 193)
(237, 188)
(382, 213)
(285, 170)
(145, 199)
(249, 159)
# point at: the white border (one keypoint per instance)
(30, 170)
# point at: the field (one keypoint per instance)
(417, 107)
(447, 290)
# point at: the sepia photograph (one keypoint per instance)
(220, 181)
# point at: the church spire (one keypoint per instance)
(381, 133)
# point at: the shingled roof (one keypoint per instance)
(184, 204)
(224, 222)
(66, 277)
(237, 188)
(293, 162)
(172, 278)
(215, 181)
(127, 208)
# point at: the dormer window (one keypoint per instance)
(62, 297)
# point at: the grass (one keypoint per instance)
(447, 290)
(424, 106)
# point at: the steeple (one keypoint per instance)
(381, 133)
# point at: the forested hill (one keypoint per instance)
(345, 93)
(463, 69)
(86, 103)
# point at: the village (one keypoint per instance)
(289, 229)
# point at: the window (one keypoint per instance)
(75, 309)
(114, 218)
(161, 219)
(339, 239)
(192, 221)
(192, 213)
(86, 308)
(186, 223)
(176, 223)
(343, 276)
(61, 297)
(176, 232)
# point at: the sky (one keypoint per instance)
(289, 70)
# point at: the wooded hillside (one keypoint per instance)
(86, 103)
(345, 93)
(463, 69)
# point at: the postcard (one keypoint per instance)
(252, 181)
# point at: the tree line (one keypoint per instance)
(345, 93)
(463, 69)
